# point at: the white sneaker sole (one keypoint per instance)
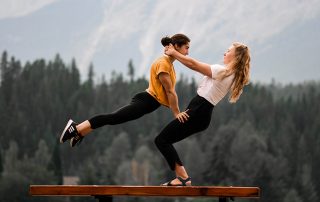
(65, 129)
(71, 142)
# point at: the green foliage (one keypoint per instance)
(269, 138)
(19, 173)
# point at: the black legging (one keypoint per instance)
(141, 104)
(200, 111)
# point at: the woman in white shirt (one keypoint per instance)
(218, 80)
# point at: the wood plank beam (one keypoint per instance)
(174, 191)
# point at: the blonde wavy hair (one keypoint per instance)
(240, 67)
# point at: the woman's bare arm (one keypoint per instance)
(191, 63)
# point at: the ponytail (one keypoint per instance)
(165, 41)
(177, 39)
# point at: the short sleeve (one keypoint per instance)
(215, 69)
(162, 67)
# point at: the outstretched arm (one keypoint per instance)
(191, 63)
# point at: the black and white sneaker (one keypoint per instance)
(76, 140)
(69, 131)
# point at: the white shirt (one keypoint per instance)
(212, 89)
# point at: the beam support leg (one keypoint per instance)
(223, 200)
(104, 198)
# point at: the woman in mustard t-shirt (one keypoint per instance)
(161, 91)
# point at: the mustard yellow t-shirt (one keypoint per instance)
(161, 65)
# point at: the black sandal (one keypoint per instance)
(183, 182)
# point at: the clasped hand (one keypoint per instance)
(168, 50)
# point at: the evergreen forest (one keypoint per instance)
(269, 138)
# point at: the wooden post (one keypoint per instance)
(104, 198)
(226, 199)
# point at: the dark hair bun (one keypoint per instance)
(165, 41)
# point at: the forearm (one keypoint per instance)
(173, 102)
(170, 92)
(192, 63)
(187, 61)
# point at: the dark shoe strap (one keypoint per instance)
(184, 181)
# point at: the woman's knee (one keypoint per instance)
(159, 141)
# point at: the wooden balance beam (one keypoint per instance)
(104, 193)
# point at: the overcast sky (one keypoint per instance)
(283, 35)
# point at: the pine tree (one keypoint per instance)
(292, 196)
(1, 161)
(90, 81)
(131, 70)
(55, 163)
(3, 66)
